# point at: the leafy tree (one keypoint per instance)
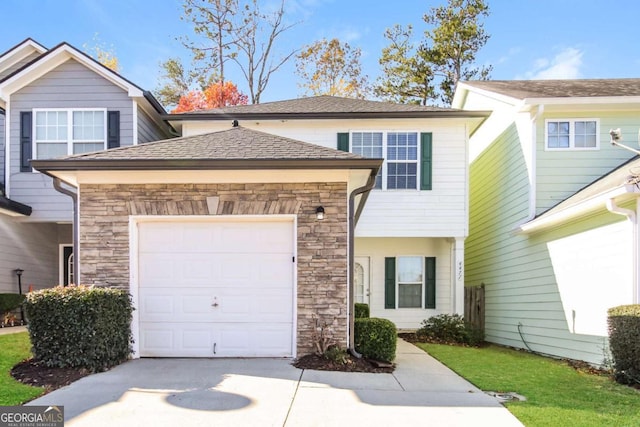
(104, 55)
(408, 78)
(445, 55)
(176, 82)
(217, 95)
(329, 67)
(457, 36)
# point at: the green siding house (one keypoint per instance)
(553, 210)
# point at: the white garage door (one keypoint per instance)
(216, 289)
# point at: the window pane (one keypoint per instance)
(580, 128)
(591, 127)
(50, 151)
(410, 269)
(392, 182)
(409, 295)
(552, 141)
(590, 141)
(579, 140)
(87, 147)
(563, 142)
(563, 128)
(552, 128)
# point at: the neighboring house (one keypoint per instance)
(237, 237)
(56, 102)
(553, 224)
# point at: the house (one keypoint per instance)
(56, 102)
(553, 223)
(306, 206)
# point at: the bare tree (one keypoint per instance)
(256, 40)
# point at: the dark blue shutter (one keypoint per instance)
(113, 129)
(26, 120)
(430, 282)
(390, 282)
(343, 142)
(426, 161)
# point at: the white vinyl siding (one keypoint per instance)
(377, 249)
(64, 132)
(441, 212)
(572, 134)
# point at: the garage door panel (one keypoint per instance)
(227, 339)
(222, 284)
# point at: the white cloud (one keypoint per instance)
(565, 65)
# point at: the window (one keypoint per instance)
(400, 151)
(572, 134)
(410, 281)
(64, 132)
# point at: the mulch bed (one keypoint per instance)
(351, 364)
(37, 374)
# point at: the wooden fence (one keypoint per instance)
(474, 306)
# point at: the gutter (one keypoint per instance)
(353, 218)
(57, 184)
(439, 114)
(633, 218)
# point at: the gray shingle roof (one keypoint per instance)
(522, 89)
(323, 106)
(623, 174)
(237, 143)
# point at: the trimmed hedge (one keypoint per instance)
(80, 326)
(375, 338)
(449, 329)
(9, 302)
(624, 342)
(361, 310)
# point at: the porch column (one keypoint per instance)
(458, 278)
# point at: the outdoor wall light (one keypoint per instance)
(320, 213)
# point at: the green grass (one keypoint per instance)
(15, 348)
(557, 395)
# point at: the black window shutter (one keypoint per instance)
(113, 129)
(343, 142)
(390, 282)
(426, 161)
(25, 141)
(430, 282)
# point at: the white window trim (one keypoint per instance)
(423, 287)
(571, 134)
(384, 156)
(69, 112)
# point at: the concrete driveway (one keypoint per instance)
(271, 392)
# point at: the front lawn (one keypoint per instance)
(15, 348)
(557, 394)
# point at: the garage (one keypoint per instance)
(219, 287)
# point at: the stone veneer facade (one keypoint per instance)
(321, 245)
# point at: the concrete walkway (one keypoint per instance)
(12, 330)
(271, 392)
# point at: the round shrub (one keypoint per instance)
(361, 310)
(448, 329)
(624, 342)
(80, 326)
(376, 338)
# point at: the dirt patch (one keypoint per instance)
(37, 374)
(351, 364)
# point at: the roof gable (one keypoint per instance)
(54, 57)
(20, 51)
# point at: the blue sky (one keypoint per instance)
(529, 39)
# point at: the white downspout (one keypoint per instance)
(631, 216)
(533, 192)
